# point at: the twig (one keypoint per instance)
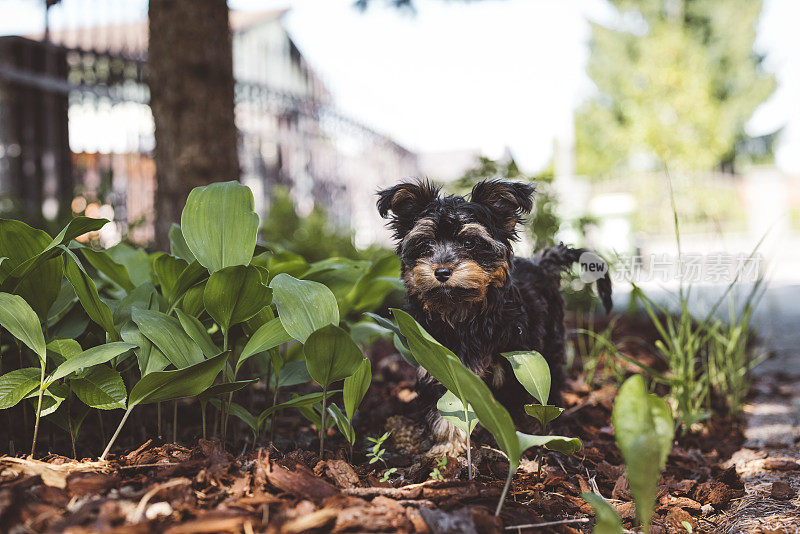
(549, 523)
(162, 464)
(138, 512)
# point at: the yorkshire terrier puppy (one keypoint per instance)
(472, 295)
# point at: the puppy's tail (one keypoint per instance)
(555, 260)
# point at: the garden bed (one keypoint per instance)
(203, 487)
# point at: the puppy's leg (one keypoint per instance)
(446, 438)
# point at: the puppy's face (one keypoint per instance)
(453, 250)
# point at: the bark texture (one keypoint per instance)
(190, 64)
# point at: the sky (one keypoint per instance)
(486, 76)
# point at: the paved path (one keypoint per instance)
(769, 462)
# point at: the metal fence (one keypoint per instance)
(76, 132)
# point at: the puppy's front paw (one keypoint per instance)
(446, 438)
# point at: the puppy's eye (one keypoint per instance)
(470, 242)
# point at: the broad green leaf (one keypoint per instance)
(365, 332)
(282, 262)
(177, 244)
(20, 244)
(192, 302)
(168, 335)
(97, 310)
(543, 413)
(219, 225)
(303, 306)
(76, 227)
(644, 430)
(339, 275)
(168, 269)
(296, 402)
(292, 374)
(331, 355)
(63, 304)
(235, 294)
(116, 272)
(148, 356)
(144, 296)
(560, 444)
(196, 330)
(22, 323)
(135, 261)
(193, 274)
(51, 398)
(64, 349)
(382, 277)
(67, 348)
(160, 386)
(223, 389)
(89, 358)
(101, 388)
(399, 339)
(451, 409)
(342, 423)
(606, 518)
(15, 385)
(356, 386)
(268, 336)
(533, 373)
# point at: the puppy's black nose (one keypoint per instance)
(443, 273)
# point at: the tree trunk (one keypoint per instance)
(190, 64)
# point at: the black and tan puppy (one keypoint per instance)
(469, 292)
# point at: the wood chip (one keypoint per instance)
(298, 483)
(314, 520)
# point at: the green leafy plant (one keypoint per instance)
(443, 365)
(217, 307)
(331, 355)
(387, 474)
(441, 464)
(376, 452)
(607, 520)
(644, 430)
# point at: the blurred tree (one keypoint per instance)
(312, 237)
(677, 80)
(190, 62)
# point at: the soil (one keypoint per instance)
(284, 487)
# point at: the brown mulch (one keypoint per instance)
(165, 487)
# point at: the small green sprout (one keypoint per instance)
(377, 451)
(387, 474)
(441, 463)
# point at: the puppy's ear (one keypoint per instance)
(405, 201)
(509, 201)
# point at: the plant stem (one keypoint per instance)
(322, 424)
(227, 407)
(275, 413)
(69, 424)
(38, 412)
(505, 491)
(175, 421)
(116, 432)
